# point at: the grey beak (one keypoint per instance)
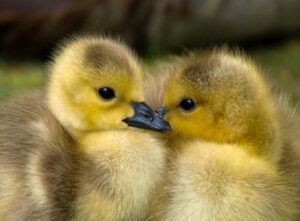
(144, 117)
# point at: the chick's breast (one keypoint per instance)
(209, 181)
(120, 170)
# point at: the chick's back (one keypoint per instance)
(35, 167)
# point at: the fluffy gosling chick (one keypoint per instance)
(229, 159)
(68, 154)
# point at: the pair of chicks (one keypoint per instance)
(68, 153)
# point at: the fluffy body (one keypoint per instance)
(235, 156)
(66, 154)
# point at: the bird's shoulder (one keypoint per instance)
(26, 124)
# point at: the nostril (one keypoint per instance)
(147, 115)
(161, 111)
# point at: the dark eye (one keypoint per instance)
(187, 104)
(106, 93)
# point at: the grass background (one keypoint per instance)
(280, 62)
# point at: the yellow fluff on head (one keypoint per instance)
(232, 102)
(230, 142)
(84, 65)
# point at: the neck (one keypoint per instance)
(263, 138)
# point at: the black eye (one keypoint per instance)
(187, 104)
(106, 93)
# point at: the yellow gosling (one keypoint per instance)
(235, 155)
(69, 153)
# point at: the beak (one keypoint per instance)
(144, 117)
(161, 111)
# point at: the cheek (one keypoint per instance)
(111, 118)
(184, 126)
(187, 128)
(191, 125)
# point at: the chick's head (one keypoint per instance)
(220, 97)
(93, 85)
